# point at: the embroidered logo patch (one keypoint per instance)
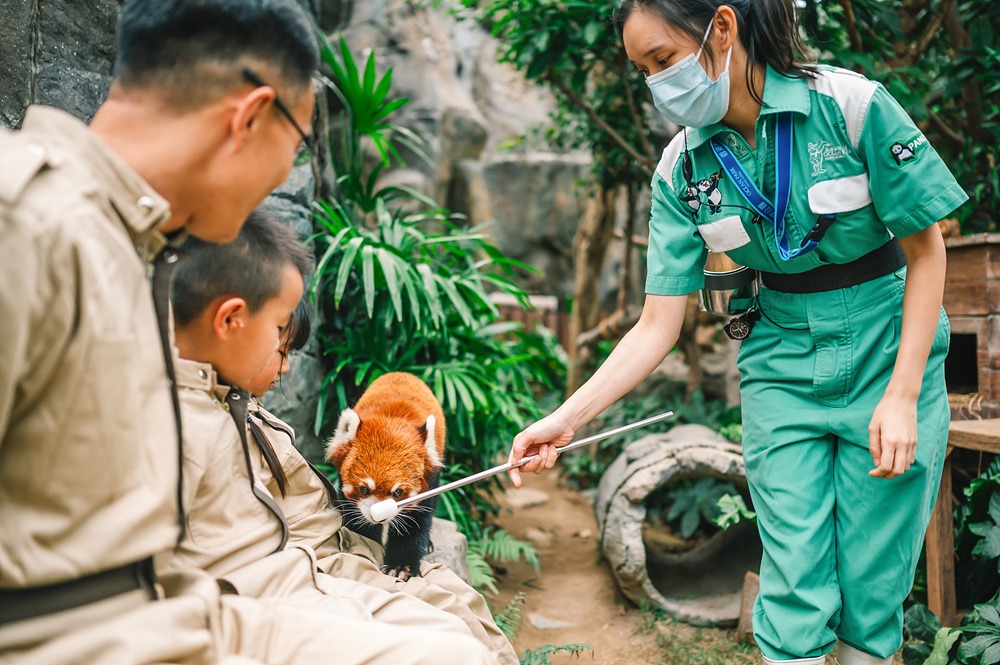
(907, 151)
(704, 192)
(736, 145)
(822, 151)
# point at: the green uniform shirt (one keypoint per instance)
(856, 154)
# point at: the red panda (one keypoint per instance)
(391, 446)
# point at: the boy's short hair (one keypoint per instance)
(249, 267)
(193, 51)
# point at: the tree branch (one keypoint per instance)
(852, 26)
(625, 280)
(613, 327)
(634, 112)
(918, 47)
(593, 115)
(945, 130)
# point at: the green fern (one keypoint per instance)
(510, 618)
(500, 546)
(480, 571)
(496, 546)
(543, 654)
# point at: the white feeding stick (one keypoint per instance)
(386, 510)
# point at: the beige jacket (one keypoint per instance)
(232, 520)
(88, 447)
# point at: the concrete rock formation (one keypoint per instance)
(701, 586)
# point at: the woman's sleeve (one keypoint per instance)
(910, 184)
(675, 261)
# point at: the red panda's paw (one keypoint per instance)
(403, 572)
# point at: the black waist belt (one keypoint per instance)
(31, 602)
(884, 260)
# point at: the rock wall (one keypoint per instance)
(55, 52)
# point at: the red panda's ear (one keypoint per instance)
(427, 432)
(343, 437)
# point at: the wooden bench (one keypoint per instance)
(980, 435)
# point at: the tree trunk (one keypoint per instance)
(589, 248)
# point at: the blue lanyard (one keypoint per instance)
(746, 186)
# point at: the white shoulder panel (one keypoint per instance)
(669, 158)
(852, 92)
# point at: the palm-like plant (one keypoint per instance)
(402, 286)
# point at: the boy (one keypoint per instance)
(231, 304)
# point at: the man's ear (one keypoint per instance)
(246, 118)
(230, 316)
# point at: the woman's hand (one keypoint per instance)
(539, 438)
(892, 436)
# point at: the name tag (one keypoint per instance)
(724, 234)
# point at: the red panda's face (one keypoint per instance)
(366, 491)
(378, 470)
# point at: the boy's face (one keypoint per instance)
(258, 341)
(266, 378)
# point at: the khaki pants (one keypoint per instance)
(439, 587)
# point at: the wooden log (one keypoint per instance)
(940, 546)
(744, 627)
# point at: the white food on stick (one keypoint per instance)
(388, 509)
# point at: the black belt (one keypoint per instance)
(884, 260)
(29, 602)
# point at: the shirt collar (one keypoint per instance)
(781, 93)
(139, 206)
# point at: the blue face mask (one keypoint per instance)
(685, 95)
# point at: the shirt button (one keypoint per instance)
(202, 374)
(170, 257)
(145, 202)
(236, 397)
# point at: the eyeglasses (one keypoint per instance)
(305, 151)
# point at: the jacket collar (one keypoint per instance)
(139, 206)
(199, 376)
(781, 93)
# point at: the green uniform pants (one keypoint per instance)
(840, 547)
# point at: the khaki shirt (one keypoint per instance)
(312, 519)
(88, 446)
(232, 520)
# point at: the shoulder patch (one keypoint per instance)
(853, 94)
(20, 162)
(907, 150)
(669, 158)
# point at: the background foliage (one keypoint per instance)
(939, 58)
(402, 286)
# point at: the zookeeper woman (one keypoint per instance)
(817, 178)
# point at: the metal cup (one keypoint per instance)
(729, 287)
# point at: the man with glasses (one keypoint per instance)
(189, 141)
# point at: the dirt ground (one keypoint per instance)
(575, 588)
(576, 600)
